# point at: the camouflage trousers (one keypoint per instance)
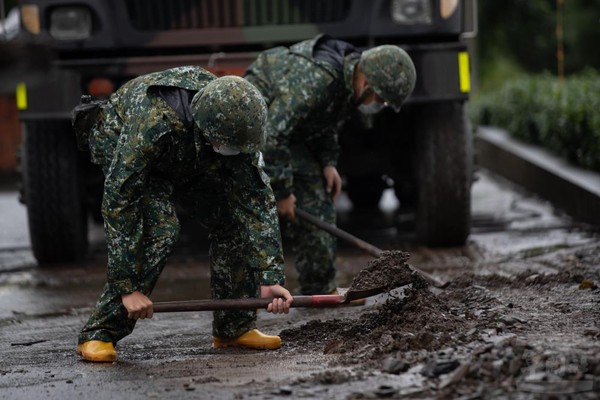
(231, 274)
(314, 249)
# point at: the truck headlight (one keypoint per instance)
(447, 8)
(30, 18)
(411, 11)
(70, 23)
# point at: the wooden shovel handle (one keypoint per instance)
(325, 300)
(361, 244)
(337, 232)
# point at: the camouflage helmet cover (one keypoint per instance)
(391, 73)
(231, 111)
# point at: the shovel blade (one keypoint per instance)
(353, 294)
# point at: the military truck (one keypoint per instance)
(425, 150)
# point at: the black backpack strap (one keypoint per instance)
(84, 117)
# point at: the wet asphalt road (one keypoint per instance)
(170, 356)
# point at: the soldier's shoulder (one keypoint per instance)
(187, 77)
(306, 47)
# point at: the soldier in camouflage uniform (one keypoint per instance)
(310, 89)
(185, 136)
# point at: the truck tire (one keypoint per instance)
(444, 166)
(53, 192)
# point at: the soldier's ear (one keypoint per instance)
(359, 81)
(358, 72)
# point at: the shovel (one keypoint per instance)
(321, 300)
(361, 244)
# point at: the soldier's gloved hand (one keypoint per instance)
(138, 305)
(333, 181)
(282, 298)
(287, 207)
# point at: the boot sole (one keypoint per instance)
(98, 359)
(256, 346)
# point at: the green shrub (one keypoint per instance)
(564, 118)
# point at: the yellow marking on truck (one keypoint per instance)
(21, 96)
(464, 72)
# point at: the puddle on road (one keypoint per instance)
(40, 291)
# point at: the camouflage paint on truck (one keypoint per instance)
(100, 44)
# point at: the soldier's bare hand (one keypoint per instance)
(282, 298)
(287, 207)
(333, 181)
(138, 305)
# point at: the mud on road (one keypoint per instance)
(520, 319)
(485, 335)
(488, 335)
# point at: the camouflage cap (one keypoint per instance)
(391, 73)
(231, 111)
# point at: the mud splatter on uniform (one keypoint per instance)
(308, 89)
(153, 155)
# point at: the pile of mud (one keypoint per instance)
(418, 320)
(485, 331)
(388, 272)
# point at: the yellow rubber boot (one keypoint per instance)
(97, 351)
(253, 339)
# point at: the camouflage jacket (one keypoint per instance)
(308, 101)
(154, 145)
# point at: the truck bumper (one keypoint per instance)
(53, 98)
(443, 72)
(60, 92)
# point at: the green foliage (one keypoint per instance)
(581, 31)
(524, 29)
(562, 117)
(494, 73)
(520, 35)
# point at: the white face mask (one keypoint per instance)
(371, 108)
(226, 151)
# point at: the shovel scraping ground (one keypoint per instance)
(388, 271)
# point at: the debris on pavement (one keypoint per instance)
(485, 335)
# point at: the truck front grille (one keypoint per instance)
(161, 15)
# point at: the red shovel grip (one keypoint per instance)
(325, 300)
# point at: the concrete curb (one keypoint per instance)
(574, 190)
